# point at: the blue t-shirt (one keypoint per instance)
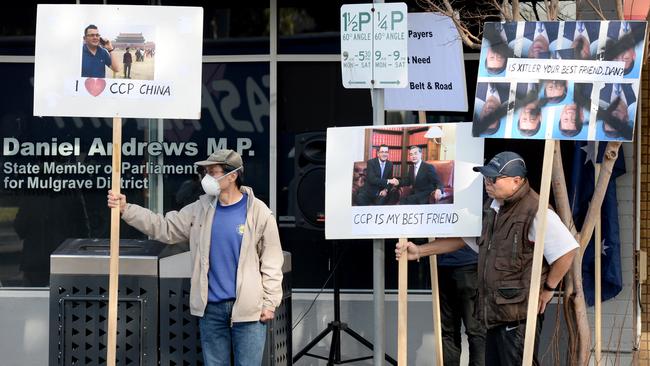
(225, 242)
(94, 66)
(462, 257)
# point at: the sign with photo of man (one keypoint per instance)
(118, 61)
(564, 80)
(407, 181)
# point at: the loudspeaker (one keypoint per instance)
(309, 181)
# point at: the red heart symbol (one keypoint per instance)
(95, 86)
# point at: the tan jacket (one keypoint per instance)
(259, 273)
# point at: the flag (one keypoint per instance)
(580, 192)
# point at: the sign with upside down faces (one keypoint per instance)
(559, 80)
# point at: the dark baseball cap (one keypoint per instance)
(223, 157)
(505, 163)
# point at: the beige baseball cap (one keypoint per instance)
(224, 157)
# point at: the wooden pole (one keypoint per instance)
(597, 280)
(435, 299)
(435, 291)
(533, 296)
(115, 245)
(402, 307)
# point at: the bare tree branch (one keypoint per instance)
(468, 38)
(575, 309)
(552, 7)
(516, 14)
(595, 9)
(535, 10)
(619, 10)
(579, 306)
(506, 10)
(560, 193)
(609, 158)
(569, 315)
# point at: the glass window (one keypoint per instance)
(305, 28)
(47, 165)
(55, 171)
(234, 115)
(229, 27)
(311, 28)
(311, 98)
(232, 27)
(18, 27)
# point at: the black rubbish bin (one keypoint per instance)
(79, 302)
(154, 324)
(179, 330)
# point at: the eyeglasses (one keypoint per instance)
(93, 35)
(493, 180)
(214, 173)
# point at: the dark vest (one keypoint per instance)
(506, 259)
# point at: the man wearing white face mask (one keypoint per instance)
(236, 254)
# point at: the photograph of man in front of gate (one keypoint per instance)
(114, 52)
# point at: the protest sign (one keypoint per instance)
(429, 188)
(118, 61)
(559, 80)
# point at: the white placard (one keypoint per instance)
(573, 80)
(165, 46)
(436, 67)
(458, 213)
(374, 45)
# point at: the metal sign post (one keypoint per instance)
(373, 55)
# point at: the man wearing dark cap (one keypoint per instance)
(505, 257)
(236, 258)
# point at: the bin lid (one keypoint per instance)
(91, 256)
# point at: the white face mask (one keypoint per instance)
(211, 185)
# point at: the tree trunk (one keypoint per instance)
(609, 158)
(577, 302)
(574, 299)
(575, 308)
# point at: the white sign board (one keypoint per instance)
(443, 199)
(573, 80)
(436, 67)
(374, 45)
(153, 69)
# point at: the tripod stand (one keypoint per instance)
(336, 327)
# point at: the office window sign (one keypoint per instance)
(56, 170)
(436, 77)
(118, 61)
